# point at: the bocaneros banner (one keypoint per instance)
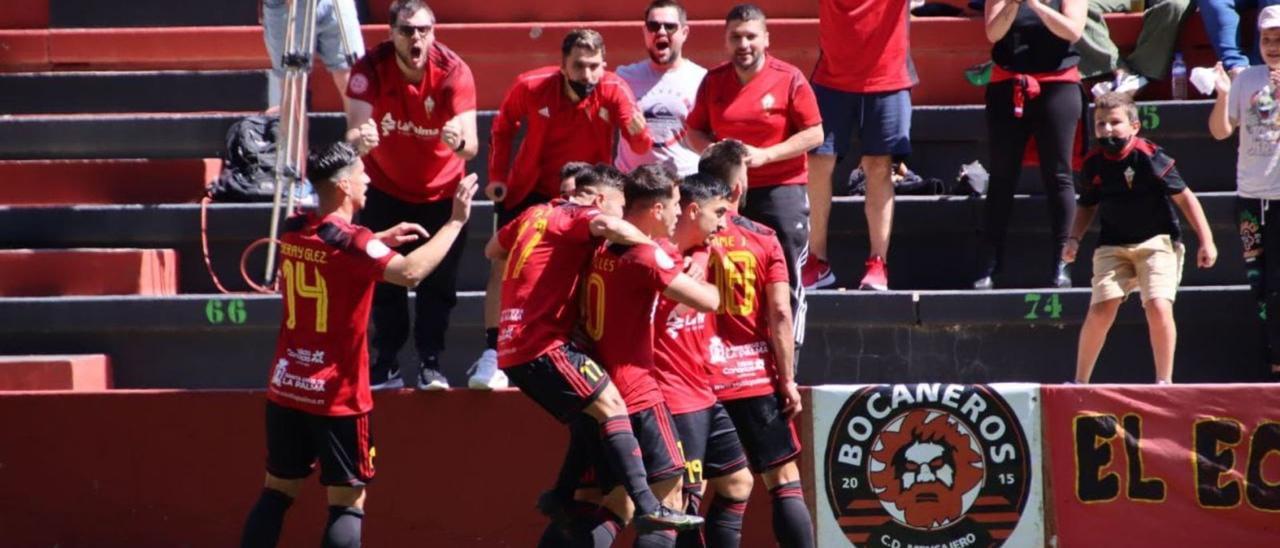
(928, 465)
(1181, 465)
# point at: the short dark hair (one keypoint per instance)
(720, 159)
(1117, 99)
(586, 39)
(701, 188)
(608, 176)
(574, 170)
(659, 4)
(409, 5)
(744, 13)
(328, 164)
(647, 184)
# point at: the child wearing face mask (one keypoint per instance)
(1133, 185)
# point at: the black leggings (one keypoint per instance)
(1051, 118)
(1259, 222)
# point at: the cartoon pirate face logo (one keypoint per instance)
(926, 465)
(926, 469)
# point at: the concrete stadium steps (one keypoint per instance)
(942, 48)
(126, 181)
(943, 138)
(934, 243)
(113, 271)
(134, 91)
(81, 372)
(226, 341)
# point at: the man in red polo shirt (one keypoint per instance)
(867, 97)
(569, 113)
(768, 105)
(412, 113)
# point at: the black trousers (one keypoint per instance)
(1259, 223)
(1052, 118)
(785, 209)
(437, 294)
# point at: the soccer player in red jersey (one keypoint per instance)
(768, 105)
(681, 357)
(619, 297)
(546, 251)
(753, 356)
(318, 398)
(569, 112)
(412, 113)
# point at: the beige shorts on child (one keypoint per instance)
(1153, 267)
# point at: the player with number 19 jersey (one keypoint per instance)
(750, 259)
(551, 245)
(327, 273)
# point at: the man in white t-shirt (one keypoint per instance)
(1252, 103)
(664, 86)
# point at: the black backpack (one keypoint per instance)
(249, 167)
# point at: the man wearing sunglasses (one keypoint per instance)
(412, 114)
(665, 86)
(569, 113)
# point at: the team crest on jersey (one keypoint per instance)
(927, 465)
(604, 114)
(359, 83)
(767, 102)
(1128, 176)
(430, 105)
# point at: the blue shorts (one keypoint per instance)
(880, 121)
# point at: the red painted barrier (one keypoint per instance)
(1164, 466)
(80, 372)
(58, 182)
(176, 468)
(53, 272)
(942, 48)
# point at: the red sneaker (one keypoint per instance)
(816, 273)
(877, 276)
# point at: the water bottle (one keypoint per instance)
(1178, 77)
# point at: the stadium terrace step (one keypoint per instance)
(226, 341)
(53, 272)
(82, 372)
(140, 91)
(942, 48)
(943, 138)
(67, 182)
(934, 241)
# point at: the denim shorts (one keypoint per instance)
(881, 122)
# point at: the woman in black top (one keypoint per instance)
(1034, 92)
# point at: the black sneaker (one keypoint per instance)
(392, 382)
(430, 379)
(666, 518)
(552, 506)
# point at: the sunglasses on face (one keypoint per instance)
(409, 31)
(653, 26)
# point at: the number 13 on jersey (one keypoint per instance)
(735, 277)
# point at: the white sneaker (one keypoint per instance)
(485, 374)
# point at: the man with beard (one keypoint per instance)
(569, 113)
(412, 113)
(768, 105)
(665, 85)
(753, 355)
